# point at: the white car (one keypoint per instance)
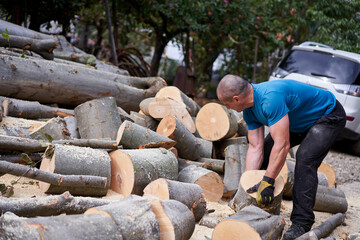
(325, 67)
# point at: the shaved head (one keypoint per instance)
(232, 85)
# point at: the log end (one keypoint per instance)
(212, 186)
(122, 173)
(158, 188)
(167, 126)
(233, 229)
(48, 165)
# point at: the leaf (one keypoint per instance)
(27, 159)
(91, 60)
(9, 192)
(49, 152)
(2, 187)
(13, 182)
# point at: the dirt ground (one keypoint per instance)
(348, 180)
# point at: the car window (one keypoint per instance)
(315, 63)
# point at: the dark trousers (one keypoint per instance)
(314, 146)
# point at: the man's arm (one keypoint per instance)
(281, 135)
(255, 153)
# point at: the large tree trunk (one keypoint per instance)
(214, 122)
(133, 170)
(50, 205)
(243, 199)
(32, 110)
(209, 181)
(173, 128)
(133, 136)
(177, 95)
(250, 223)
(189, 194)
(98, 118)
(50, 82)
(72, 160)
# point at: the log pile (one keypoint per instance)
(167, 156)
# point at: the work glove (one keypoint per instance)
(265, 191)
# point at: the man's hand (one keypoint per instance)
(265, 191)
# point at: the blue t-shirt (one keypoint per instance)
(303, 103)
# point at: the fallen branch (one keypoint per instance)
(52, 178)
(92, 143)
(50, 205)
(325, 228)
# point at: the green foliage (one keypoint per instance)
(6, 35)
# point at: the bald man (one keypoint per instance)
(296, 113)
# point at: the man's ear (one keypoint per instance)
(236, 98)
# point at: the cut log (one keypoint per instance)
(33, 110)
(209, 181)
(42, 47)
(243, 199)
(215, 165)
(220, 146)
(205, 147)
(18, 127)
(330, 200)
(174, 129)
(144, 105)
(144, 120)
(71, 126)
(71, 227)
(53, 178)
(73, 160)
(18, 144)
(215, 122)
(250, 223)
(92, 143)
(176, 222)
(325, 228)
(124, 115)
(235, 155)
(82, 58)
(162, 107)
(54, 129)
(51, 82)
(242, 126)
(50, 205)
(98, 118)
(19, 158)
(329, 172)
(133, 170)
(177, 95)
(131, 135)
(189, 194)
(133, 216)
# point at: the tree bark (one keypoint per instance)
(82, 58)
(92, 143)
(71, 126)
(177, 95)
(54, 129)
(161, 107)
(325, 228)
(243, 199)
(235, 155)
(98, 118)
(215, 165)
(189, 194)
(133, 170)
(33, 110)
(242, 126)
(19, 158)
(19, 144)
(250, 223)
(51, 82)
(72, 160)
(53, 178)
(220, 146)
(42, 47)
(18, 127)
(144, 120)
(209, 181)
(144, 105)
(215, 122)
(133, 136)
(205, 147)
(174, 129)
(50, 205)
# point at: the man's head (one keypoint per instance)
(234, 92)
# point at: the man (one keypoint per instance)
(296, 113)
